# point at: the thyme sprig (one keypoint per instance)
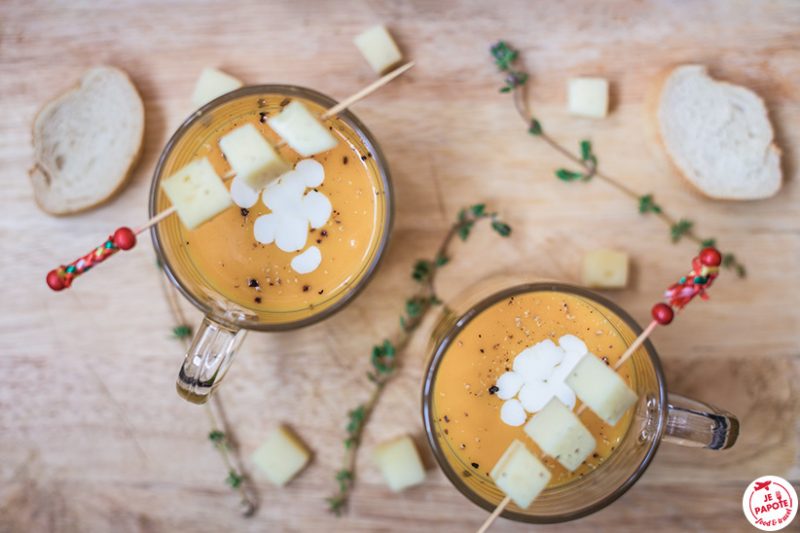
(505, 58)
(221, 433)
(384, 356)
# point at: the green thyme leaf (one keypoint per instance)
(501, 227)
(181, 332)
(464, 230)
(648, 205)
(413, 307)
(441, 260)
(422, 270)
(708, 243)
(234, 479)
(567, 175)
(216, 436)
(535, 127)
(680, 228)
(478, 209)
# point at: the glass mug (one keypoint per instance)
(658, 415)
(225, 323)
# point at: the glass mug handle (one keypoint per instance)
(207, 360)
(699, 425)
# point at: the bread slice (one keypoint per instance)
(86, 142)
(718, 135)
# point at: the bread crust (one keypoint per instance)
(38, 167)
(653, 97)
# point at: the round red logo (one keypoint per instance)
(770, 503)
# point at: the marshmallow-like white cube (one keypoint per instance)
(399, 462)
(301, 130)
(605, 269)
(378, 48)
(587, 97)
(211, 84)
(560, 434)
(602, 389)
(520, 475)
(196, 192)
(281, 456)
(252, 157)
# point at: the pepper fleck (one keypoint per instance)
(475, 465)
(493, 389)
(321, 291)
(446, 419)
(363, 158)
(258, 299)
(344, 160)
(252, 283)
(244, 211)
(262, 117)
(305, 288)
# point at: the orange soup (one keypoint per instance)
(467, 410)
(224, 255)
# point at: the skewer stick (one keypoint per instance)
(625, 356)
(705, 268)
(124, 238)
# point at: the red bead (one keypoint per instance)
(710, 257)
(662, 313)
(54, 281)
(124, 238)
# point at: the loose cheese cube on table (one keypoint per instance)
(400, 464)
(301, 130)
(281, 456)
(212, 84)
(600, 388)
(197, 193)
(605, 269)
(587, 97)
(252, 157)
(560, 434)
(520, 475)
(378, 48)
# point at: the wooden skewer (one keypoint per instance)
(635, 345)
(124, 238)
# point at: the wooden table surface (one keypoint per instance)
(92, 434)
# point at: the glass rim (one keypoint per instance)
(461, 322)
(383, 173)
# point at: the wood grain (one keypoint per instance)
(92, 434)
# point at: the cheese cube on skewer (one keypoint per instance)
(378, 48)
(197, 193)
(588, 97)
(301, 130)
(559, 433)
(520, 475)
(400, 464)
(281, 456)
(601, 389)
(211, 84)
(253, 159)
(606, 269)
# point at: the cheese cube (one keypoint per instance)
(587, 97)
(252, 157)
(400, 464)
(197, 193)
(301, 130)
(520, 475)
(281, 456)
(211, 84)
(600, 388)
(605, 269)
(378, 48)
(560, 434)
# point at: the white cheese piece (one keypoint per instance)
(196, 192)
(242, 195)
(600, 388)
(211, 84)
(291, 232)
(508, 385)
(308, 261)
(310, 172)
(588, 97)
(399, 463)
(378, 48)
(561, 435)
(317, 209)
(301, 130)
(605, 269)
(281, 456)
(520, 475)
(512, 413)
(265, 228)
(251, 157)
